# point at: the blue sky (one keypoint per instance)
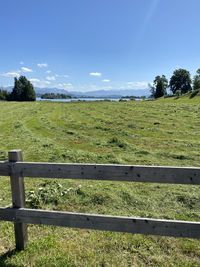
(88, 45)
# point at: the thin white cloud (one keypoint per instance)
(39, 83)
(42, 65)
(93, 87)
(21, 62)
(131, 85)
(137, 85)
(34, 80)
(48, 71)
(10, 74)
(62, 75)
(106, 80)
(65, 86)
(25, 69)
(50, 78)
(96, 74)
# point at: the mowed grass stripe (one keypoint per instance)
(164, 132)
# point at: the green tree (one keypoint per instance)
(152, 90)
(196, 80)
(180, 80)
(4, 95)
(160, 85)
(23, 90)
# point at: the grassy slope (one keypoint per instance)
(164, 132)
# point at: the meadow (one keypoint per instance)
(162, 132)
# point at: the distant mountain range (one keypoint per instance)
(98, 93)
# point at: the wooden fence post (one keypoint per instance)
(18, 200)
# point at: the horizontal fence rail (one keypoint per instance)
(21, 216)
(132, 225)
(102, 172)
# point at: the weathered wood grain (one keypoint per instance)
(21, 216)
(152, 174)
(132, 225)
(18, 200)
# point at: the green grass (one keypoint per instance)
(163, 132)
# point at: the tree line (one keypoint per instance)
(180, 83)
(23, 90)
(55, 96)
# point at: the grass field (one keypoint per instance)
(164, 132)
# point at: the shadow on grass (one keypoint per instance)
(4, 257)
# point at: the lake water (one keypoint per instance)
(82, 99)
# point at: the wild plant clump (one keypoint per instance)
(48, 193)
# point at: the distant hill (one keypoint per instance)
(40, 91)
(98, 93)
(115, 93)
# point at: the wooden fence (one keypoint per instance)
(21, 216)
